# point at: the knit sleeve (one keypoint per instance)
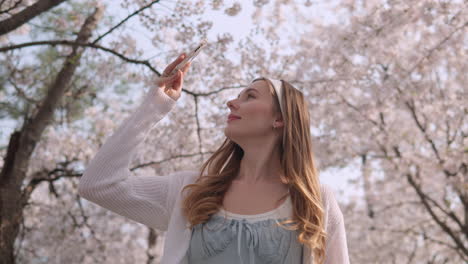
(336, 249)
(108, 182)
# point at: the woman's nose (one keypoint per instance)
(230, 104)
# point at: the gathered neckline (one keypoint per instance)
(255, 216)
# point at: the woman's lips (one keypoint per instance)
(232, 118)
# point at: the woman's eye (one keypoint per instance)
(250, 96)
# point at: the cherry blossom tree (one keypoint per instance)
(387, 87)
(49, 90)
(384, 81)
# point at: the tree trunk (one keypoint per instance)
(23, 142)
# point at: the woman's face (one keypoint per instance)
(254, 106)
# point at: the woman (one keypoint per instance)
(256, 200)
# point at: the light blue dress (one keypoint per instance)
(230, 238)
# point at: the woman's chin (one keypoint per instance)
(229, 132)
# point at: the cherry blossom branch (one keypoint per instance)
(21, 93)
(410, 230)
(449, 213)
(398, 204)
(377, 124)
(434, 48)
(412, 108)
(429, 209)
(124, 20)
(50, 177)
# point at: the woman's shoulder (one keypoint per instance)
(328, 195)
(333, 213)
(326, 190)
(184, 177)
(190, 176)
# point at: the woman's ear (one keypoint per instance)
(278, 123)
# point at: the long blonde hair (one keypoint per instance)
(300, 172)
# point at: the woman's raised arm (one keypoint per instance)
(107, 180)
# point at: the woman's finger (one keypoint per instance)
(186, 67)
(179, 81)
(163, 81)
(171, 66)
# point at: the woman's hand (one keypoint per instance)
(172, 85)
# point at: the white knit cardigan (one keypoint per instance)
(155, 201)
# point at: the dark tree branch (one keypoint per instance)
(15, 5)
(411, 106)
(21, 93)
(453, 234)
(50, 177)
(124, 58)
(81, 44)
(433, 49)
(449, 213)
(124, 20)
(416, 233)
(443, 225)
(27, 14)
(96, 46)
